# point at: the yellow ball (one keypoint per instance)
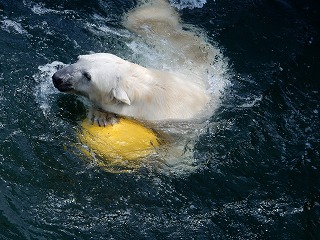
(125, 141)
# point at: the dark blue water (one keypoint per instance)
(258, 173)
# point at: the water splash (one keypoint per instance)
(152, 55)
(45, 88)
(181, 4)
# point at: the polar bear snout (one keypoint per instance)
(61, 83)
(57, 80)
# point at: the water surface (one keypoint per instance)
(257, 161)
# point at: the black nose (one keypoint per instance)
(57, 81)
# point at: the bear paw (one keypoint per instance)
(102, 118)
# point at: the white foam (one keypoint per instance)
(45, 87)
(249, 102)
(11, 26)
(148, 56)
(104, 30)
(181, 4)
(40, 9)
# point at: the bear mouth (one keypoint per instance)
(61, 84)
(65, 87)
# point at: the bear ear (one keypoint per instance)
(121, 95)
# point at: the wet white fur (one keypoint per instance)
(125, 88)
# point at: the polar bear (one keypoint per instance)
(119, 87)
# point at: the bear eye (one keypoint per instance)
(87, 76)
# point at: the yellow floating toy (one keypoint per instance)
(121, 144)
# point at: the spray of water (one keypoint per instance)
(153, 54)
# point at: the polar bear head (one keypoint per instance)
(98, 77)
